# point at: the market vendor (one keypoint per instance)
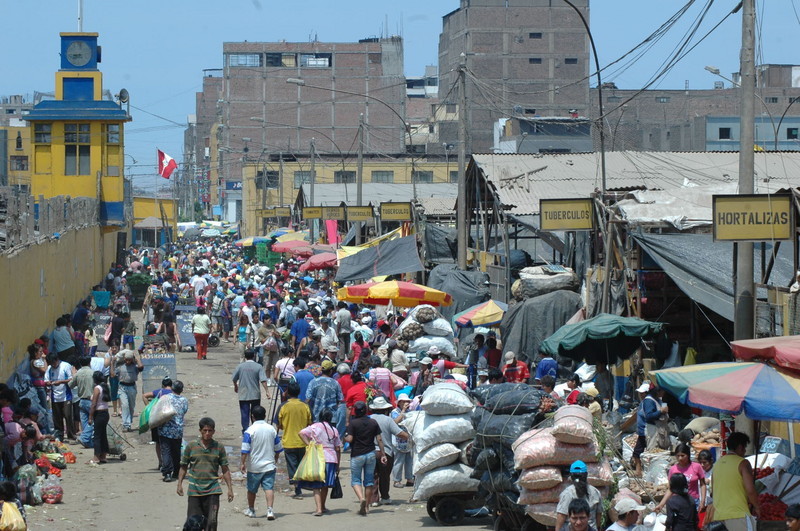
(579, 489)
(733, 486)
(650, 409)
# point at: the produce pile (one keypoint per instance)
(761, 473)
(772, 508)
(40, 482)
(440, 433)
(424, 327)
(507, 411)
(544, 455)
(710, 437)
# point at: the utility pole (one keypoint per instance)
(263, 226)
(311, 193)
(360, 173)
(744, 288)
(462, 222)
(280, 178)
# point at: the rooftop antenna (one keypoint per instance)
(80, 16)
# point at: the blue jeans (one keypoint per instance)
(87, 430)
(363, 465)
(340, 418)
(245, 406)
(127, 402)
(45, 415)
(403, 462)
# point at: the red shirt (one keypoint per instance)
(355, 394)
(493, 357)
(572, 398)
(517, 373)
(345, 382)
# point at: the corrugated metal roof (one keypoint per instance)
(375, 193)
(520, 180)
(438, 206)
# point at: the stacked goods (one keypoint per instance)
(508, 411)
(542, 452)
(706, 440)
(439, 433)
(536, 281)
(423, 328)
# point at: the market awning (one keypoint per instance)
(390, 257)
(703, 268)
(783, 350)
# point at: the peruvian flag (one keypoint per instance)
(166, 164)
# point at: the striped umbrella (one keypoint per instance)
(250, 241)
(487, 313)
(762, 392)
(402, 294)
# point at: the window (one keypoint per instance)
(771, 100)
(791, 133)
(379, 176)
(662, 99)
(535, 35)
(613, 99)
(280, 59)
(450, 108)
(10, 111)
(534, 60)
(724, 133)
(272, 180)
(18, 162)
(77, 138)
(245, 59)
(431, 128)
(18, 142)
(315, 60)
(794, 100)
(42, 133)
(112, 134)
(571, 61)
(344, 176)
(422, 176)
(530, 111)
(453, 176)
(301, 178)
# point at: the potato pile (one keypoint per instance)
(411, 332)
(425, 315)
(648, 491)
(707, 437)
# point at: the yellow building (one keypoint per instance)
(148, 227)
(18, 148)
(78, 137)
(328, 170)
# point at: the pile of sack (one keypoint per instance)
(507, 412)
(423, 328)
(543, 456)
(440, 433)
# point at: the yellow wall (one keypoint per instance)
(145, 207)
(46, 281)
(325, 171)
(17, 178)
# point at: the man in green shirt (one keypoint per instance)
(202, 460)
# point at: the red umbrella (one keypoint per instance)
(324, 247)
(302, 251)
(783, 350)
(287, 246)
(319, 261)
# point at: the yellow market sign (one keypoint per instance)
(755, 218)
(396, 212)
(312, 212)
(566, 214)
(336, 213)
(267, 212)
(359, 213)
(283, 212)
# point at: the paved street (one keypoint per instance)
(131, 495)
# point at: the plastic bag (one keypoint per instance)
(540, 477)
(515, 402)
(11, 519)
(57, 460)
(503, 429)
(312, 466)
(531, 497)
(483, 393)
(429, 430)
(438, 327)
(449, 479)
(538, 447)
(445, 399)
(436, 457)
(498, 481)
(144, 416)
(422, 344)
(51, 489)
(162, 412)
(573, 425)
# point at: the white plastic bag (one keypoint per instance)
(422, 344)
(449, 479)
(429, 430)
(436, 457)
(438, 327)
(162, 412)
(446, 399)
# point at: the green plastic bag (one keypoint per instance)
(144, 418)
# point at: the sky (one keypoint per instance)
(158, 50)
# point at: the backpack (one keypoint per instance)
(291, 316)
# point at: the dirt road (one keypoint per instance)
(131, 495)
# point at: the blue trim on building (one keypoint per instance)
(53, 110)
(112, 212)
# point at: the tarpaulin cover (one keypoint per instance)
(603, 338)
(388, 258)
(440, 244)
(703, 268)
(526, 324)
(468, 288)
(783, 350)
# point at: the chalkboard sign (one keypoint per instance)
(185, 308)
(794, 467)
(157, 365)
(184, 322)
(773, 445)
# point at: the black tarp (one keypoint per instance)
(387, 258)
(703, 268)
(528, 323)
(440, 244)
(467, 288)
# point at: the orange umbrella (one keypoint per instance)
(403, 294)
(319, 261)
(287, 246)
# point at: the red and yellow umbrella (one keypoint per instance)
(402, 294)
(487, 313)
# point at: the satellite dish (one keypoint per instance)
(124, 96)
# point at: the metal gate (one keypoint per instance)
(497, 282)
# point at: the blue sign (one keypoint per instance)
(157, 365)
(233, 185)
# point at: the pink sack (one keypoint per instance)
(532, 497)
(538, 447)
(573, 425)
(540, 477)
(600, 474)
(544, 513)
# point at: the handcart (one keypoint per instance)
(448, 509)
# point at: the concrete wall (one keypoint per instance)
(44, 281)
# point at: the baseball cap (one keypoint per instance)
(644, 388)
(626, 505)
(327, 365)
(578, 467)
(509, 357)
(426, 360)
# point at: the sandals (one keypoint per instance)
(398, 485)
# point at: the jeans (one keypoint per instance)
(205, 505)
(340, 418)
(363, 466)
(384, 473)
(45, 415)
(403, 462)
(344, 345)
(170, 456)
(245, 406)
(127, 402)
(293, 457)
(87, 430)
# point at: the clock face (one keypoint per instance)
(79, 53)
